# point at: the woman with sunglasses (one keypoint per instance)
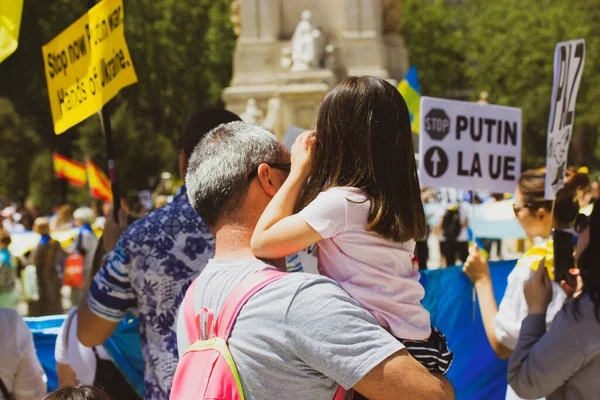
(564, 362)
(534, 213)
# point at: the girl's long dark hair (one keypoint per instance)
(364, 140)
(588, 264)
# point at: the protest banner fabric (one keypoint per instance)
(410, 90)
(74, 172)
(569, 59)
(468, 145)
(99, 184)
(10, 23)
(87, 64)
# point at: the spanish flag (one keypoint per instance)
(10, 24)
(72, 171)
(100, 186)
(410, 90)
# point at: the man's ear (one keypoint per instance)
(265, 178)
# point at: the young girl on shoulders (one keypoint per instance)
(353, 189)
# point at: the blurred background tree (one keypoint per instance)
(182, 52)
(506, 47)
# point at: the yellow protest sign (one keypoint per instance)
(87, 64)
(10, 22)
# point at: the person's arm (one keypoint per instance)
(110, 295)
(279, 232)
(543, 361)
(335, 337)
(477, 269)
(109, 298)
(66, 375)
(400, 373)
(92, 329)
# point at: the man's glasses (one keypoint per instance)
(581, 223)
(282, 167)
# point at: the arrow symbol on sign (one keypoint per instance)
(435, 159)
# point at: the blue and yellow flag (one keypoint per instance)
(10, 23)
(410, 90)
(478, 242)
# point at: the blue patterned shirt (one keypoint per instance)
(148, 273)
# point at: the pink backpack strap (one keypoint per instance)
(190, 316)
(341, 394)
(240, 295)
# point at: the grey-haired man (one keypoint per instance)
(302, 335)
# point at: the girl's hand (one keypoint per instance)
(538, 291)
(303, 155)
(476, 267)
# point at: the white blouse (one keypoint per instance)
(20, 368)
(81, 359)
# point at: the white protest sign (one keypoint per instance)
(569, 58)
(469, 146)
(290, 136)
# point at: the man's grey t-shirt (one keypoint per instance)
(299, 336)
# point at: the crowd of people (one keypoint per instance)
(215, 256)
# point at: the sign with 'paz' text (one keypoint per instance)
(469, 146)
(87, 64)
(569, 58)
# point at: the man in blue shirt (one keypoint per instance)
(150, 269)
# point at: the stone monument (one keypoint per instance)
(290, 53)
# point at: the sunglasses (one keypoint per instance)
(282, 167)
(534, 205)
(582, 221)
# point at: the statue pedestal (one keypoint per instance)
(299, 94)
(360, 37)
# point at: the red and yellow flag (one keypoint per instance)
(99, 183)
(72, 171)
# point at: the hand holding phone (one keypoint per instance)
(564, 246)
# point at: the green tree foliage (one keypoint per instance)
(436, 45)
(16, 142)
(182, 52)
(506, 47)
(151, 153)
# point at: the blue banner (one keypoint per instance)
(124, 347)
(476, 373)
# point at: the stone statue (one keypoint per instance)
(271, 121)
(252, 113)
(483, 98)
(391, 16)
(236, 18)
(307, 45)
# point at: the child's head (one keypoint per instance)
(364, 140)
(78, 393)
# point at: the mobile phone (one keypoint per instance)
(563, 256)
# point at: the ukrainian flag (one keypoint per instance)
(478, 242)
(410, 90)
